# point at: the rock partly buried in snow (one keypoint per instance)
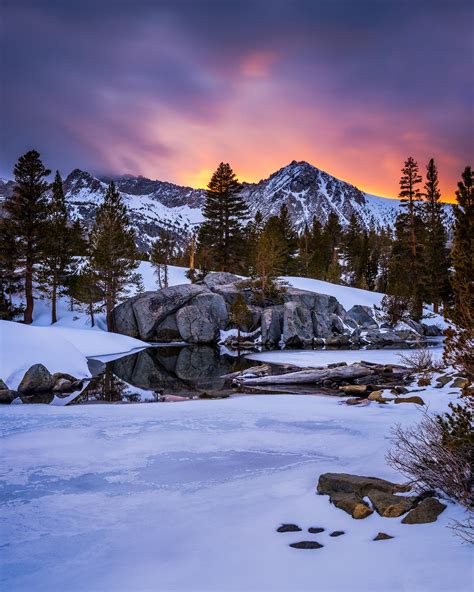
(427, 511)
(36, 379)
(336, 533)
(289, 528)
(220, 278)
(315, 529)
(306, 545)
(414, 399)
(347, 492)
(383, 536)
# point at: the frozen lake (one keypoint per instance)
(150, 497)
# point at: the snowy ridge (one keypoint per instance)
(307, 191)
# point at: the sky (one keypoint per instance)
(168, 89)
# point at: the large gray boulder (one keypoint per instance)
(321, 324)
(214, 306)
(195, 325)
(382, 337)
(314, 301)
(230, 292)
(152, 308)
(220, 278)
(36, 379)
(123, 317)
(272, 324)
(297, 325)
(363, 316)
(168, 330)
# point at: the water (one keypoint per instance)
(159, 372)
(174, 373)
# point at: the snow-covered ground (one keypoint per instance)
(59, 348)
(187, 497)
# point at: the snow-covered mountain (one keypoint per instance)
(308, 192)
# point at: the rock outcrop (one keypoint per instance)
(196, 313)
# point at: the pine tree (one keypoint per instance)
(113, 254)
(224, 213)
(289, 239)
(240, 314)
(352, 249)
(58, 248)
(26, 216)
(436, 252)
(407, 268)
(161, 255)
(269, 258)
(318, 249)
(85, 288)
(9, 281)
(460, 339)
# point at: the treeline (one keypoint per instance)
(43, 250)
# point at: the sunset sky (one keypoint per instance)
(168, 89)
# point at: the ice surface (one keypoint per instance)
(59, 348)
(187, 497)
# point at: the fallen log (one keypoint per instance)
(311, 376)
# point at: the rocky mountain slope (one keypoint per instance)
(308, 191)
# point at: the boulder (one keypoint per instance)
(391, 506)
(382, 337)
(443, 380)
(351, 504)
(36, 379)
(314, 301)
(7, 396)
(459, 382)
(272, 324)
(321, 324)
(338, 340)
(414, 399)
(374, 395)
(3, 385)
(427, 511)
(337, 326)
(347, 492)
(431, 330)
(306, 545)
(220, 278)
(168, 330)
(62, 385)
(288, 528)
(230, 292)
(123, 318)
(152, 308)
(197, 326)
(297, 325)
(214, 306)
(416, 326)
(383, 536)
(363, 316)
(407, 334)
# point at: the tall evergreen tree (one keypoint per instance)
(113, 254)
(270, 256)
(26, 216)
(407, 274)
(224, 213)
(289, 239)
(58, 247)
(460, 339)
(436, 251)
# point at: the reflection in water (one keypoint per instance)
(157, 372)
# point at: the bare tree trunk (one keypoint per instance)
(53, 301)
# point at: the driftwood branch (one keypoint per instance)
(339, 374)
